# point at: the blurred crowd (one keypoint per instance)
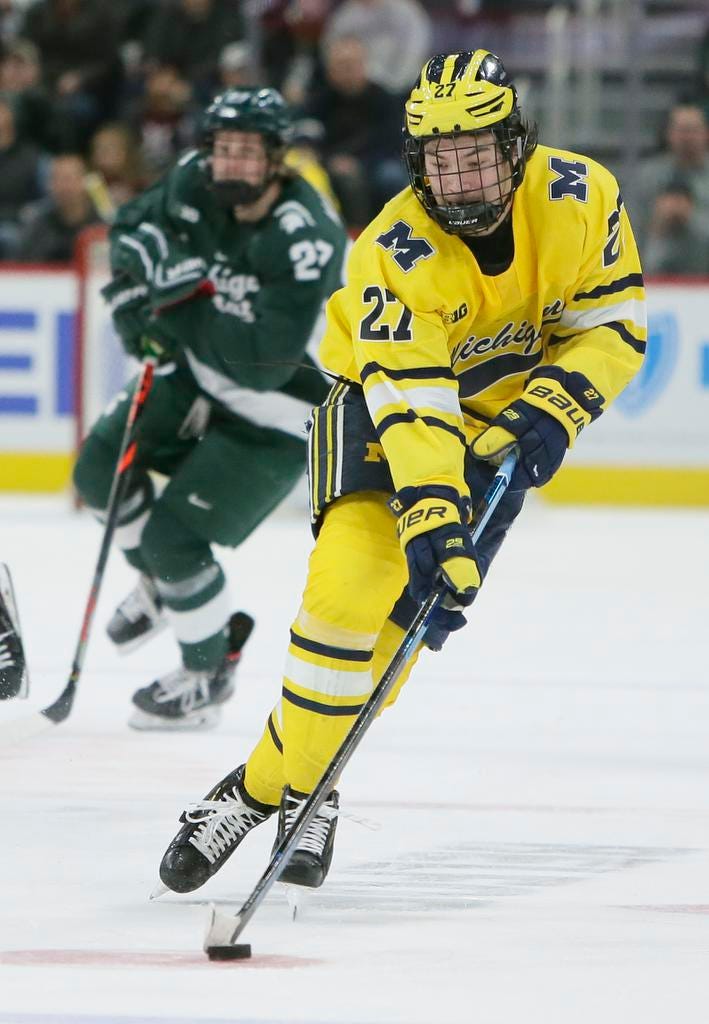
(97, 99)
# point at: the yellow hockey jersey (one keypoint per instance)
(440, 348)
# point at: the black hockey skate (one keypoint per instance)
(191, 700)
(13, 673)
(212, 829)
(311, 859)
(137, 618)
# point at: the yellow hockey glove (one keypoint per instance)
(437, 545)
(553, 409)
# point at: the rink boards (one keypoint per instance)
(651, 447)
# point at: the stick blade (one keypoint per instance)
(222, 929)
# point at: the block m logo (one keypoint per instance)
(408, 250)
(571, 180)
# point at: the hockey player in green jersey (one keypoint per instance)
(221, 270)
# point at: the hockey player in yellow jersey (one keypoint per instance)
(498, 301)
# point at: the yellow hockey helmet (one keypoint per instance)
(466, 94)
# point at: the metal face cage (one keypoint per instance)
(466, 180)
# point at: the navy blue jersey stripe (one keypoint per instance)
(629, 281)
(484, 375)
(326, 651)
(477, 415)
(627, 337)
(433, 421)
(559, 339)
(274, 735)
(396, 417)
(321, 709)
(410, 417)
(321, 413)
(415, 373)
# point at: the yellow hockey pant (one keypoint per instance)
(341, 642)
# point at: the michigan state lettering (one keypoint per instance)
(571, 180)
(408, 249)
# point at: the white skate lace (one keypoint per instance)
(190, 688)
(315, 835)
(7, 659)
(140, 602)
(228, 819)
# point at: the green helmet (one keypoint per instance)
(263, 111)
(249, 110)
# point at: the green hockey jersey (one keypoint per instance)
(245, 338)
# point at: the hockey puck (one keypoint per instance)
(240, 951)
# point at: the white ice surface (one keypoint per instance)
(542, 790)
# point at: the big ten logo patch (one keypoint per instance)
(456, 315)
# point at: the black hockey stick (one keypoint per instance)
(224, 929)
(61, 708)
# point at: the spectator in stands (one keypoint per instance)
(52, 226)
(396, 35)
(189, 35)
(164, 120)
(115, 157)
(20, 178)
(20, 79)
(687, 156)
(702, 93)
(133, 19)
(677, 242)
(289, 33)
(12, 14)
(239, 67)
(19, 67)
(78, 46)
(362, 133)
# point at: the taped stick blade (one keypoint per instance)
(222, 929)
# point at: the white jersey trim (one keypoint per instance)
(442, 399)
(632, 310)
(264, 408)
(328, 681)
(191, 627)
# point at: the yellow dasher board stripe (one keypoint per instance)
(617, 485)
(35, 471)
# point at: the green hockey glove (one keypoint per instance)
(130, 312)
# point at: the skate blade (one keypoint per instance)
(158, 891)
(7, 591)
(298, 898)
(201, 720)
(134, 645)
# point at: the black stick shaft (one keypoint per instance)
(413, 637)
(61, 707)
